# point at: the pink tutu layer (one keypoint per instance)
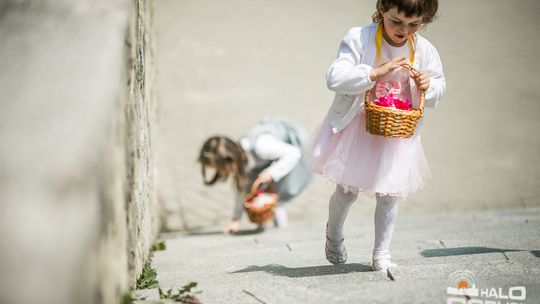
(360, 161)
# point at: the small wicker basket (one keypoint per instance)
(390, 122)
(259, 215)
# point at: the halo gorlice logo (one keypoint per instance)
(464, 284)
(463, 290)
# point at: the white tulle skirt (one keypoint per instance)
(362, 162)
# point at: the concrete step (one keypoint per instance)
(316, 282)
(288, 265)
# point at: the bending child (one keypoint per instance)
(270, 153)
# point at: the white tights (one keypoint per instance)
(385, 219)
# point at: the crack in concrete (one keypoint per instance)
(254, 296)
(390, 275)
(289, 247)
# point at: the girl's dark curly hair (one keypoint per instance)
(425, 8)
(228, 159)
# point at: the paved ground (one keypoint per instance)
(500, 248)
(222, 67)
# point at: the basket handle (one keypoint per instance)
(256, 184)
(422, 92)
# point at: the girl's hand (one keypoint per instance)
(264, 177)
(387, 68)
(233, 226)
(421, 79)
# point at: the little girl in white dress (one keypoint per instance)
(343, 152)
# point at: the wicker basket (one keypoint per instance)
(265, 213)
(390, 122)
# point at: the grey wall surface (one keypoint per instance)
(78, 209)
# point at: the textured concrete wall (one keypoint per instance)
(142, 206)
(77, 189)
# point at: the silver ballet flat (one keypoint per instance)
(382, 263)
(335, 257)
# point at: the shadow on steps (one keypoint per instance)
(440, 252)
(312, 271)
